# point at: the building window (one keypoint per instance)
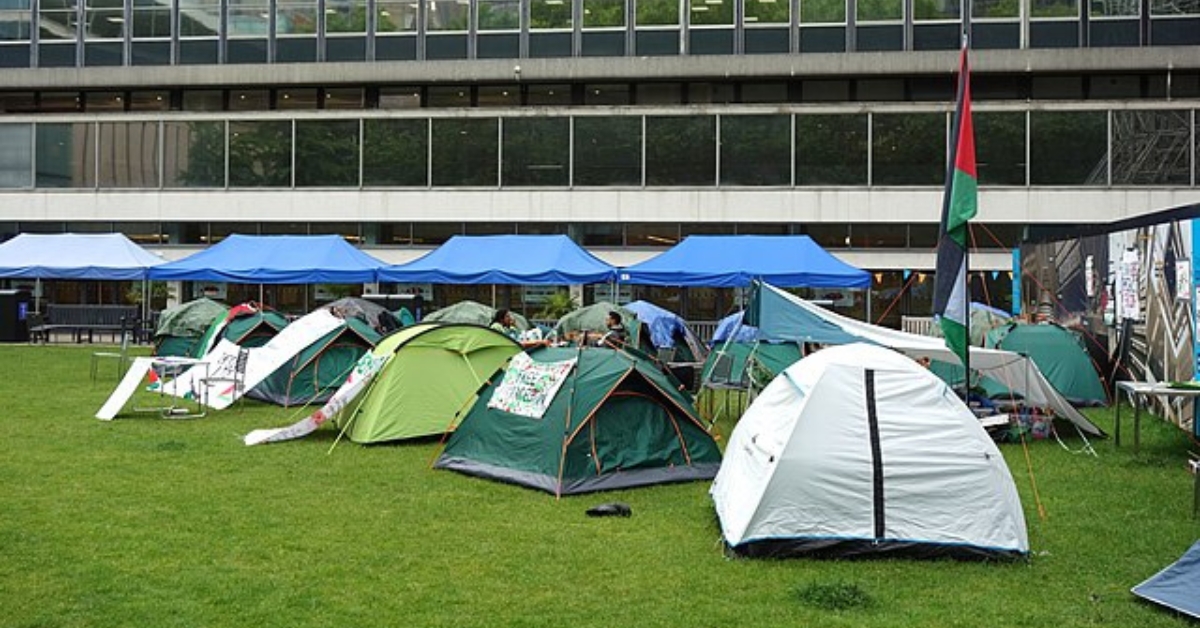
(446, 15)
(194, 154)
(681, 150)
(395, 16)
(536, 152)
(395, 152)
(104, 20)
(608, 151)
(57, 20)
(823, 12)
(260, 153)
(16, 155)
(880, 10)
(499, 15)
(908, 149)
(128, 155)
(603, 13)
(657, 12)
(250, 18)
(465, 152)
(1055, 8)
(1174, 7)
(66, 155)
(1151, 148)
(550, 15)
(349, 16)
(326, 153)
(151, 21)
(831, 149)
(304, 98)
(1068, 147)
(16, 17)
(767, 12)
(1000, 147)
(199, 18)
(711, 12)
(755, 150)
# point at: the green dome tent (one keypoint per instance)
(471, 312)
(592, 320)
(433, 374)
(317, 371)
(1059, 354)
(731, 364)
(614, 421)
(181, 327)
(244, 324)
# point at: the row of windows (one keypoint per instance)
(842, 236)
(1018, 148)
(101, 32)
(663, 93)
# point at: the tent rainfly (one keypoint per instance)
(859, 451)
(504, 259)
(320, 368)
(581, 420)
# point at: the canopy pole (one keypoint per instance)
(868, 291)
(260, 295)
(37, 295)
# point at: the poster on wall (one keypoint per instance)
(1183, 279)
(1128, 271)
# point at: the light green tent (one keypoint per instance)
(315, 373)
(432, 375)
(614, 422)
(471, 312)
(181, 327)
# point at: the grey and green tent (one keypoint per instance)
(256, 329)
(592, 319)
(1059, 354)
(615, 421)
(736, 364)
(471, 312)
(314, 374)
(180, 328)
(431, 376)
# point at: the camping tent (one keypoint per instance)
(740, 364)
(320, 368)
(730, 261)
(732, 325)
(473, 313)
(579, 420)
(107, 256)
(858, 450)
(1176, 586)
(668, 332)
(1059, 355)
(274, 259)
(253, 328)
(592, 321)
(783, 316)
(504, 259)
(181, 327)
(432, 373)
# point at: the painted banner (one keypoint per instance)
(262, 361)
(529, 386)
(364, 371)
(1129, 271)
(125, 389)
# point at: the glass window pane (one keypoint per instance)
(603, 13)
(16, 155)
(465, 152)
(767, 11)
(499, 15)
(293, 98)
(447, 15)
(435, 232)
(681, 150)
(395, 152)
(449, 96)
(249, 100)
(498, 96)
(536, 151)
(347, 16)
(935, 10)
(550, 14)
(249, 18)
(657, 12)
(150, 101)
(1000, 147)
(908, 149)
(344, 98)
(296, 17)
(1151, 148)
(66, 155)
(1055, 8)
(260, 153)
(711, 12)
(15, 20)
(194, 154)
(395, 16)
(104, 101)
(880, 10)
(1068, 147)
(1174, 7)
(755, 150)
(982, 9)
(823, 12)
(659, 93)
(56, 19)
(151, 20)
(831, 149)
(548, 95)
(399, 97)
(1115, 8)
(326, 153)
(606, 94)
(608, 150)
(105, 19)
(199, 18)
(128, 155)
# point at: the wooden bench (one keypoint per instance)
(83, 321)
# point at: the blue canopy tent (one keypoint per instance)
(504, 259)
(737, 260)
(100, 256)
(274, 260)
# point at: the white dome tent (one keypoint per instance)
(858, 450)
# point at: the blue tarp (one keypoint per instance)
(664, 324)
(1178, 586)
(735, 261)
(733, 324)
(504, 259)
(275, 259)
(109, 256)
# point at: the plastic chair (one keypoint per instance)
(237, 378)
(122, 356)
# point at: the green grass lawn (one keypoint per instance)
(150, 522)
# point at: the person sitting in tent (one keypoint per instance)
(502, 321)
(616, 335)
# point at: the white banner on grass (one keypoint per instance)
(364, 370)
(261, 363)
(125, 389)
(529, 387)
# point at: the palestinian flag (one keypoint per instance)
(959, 205)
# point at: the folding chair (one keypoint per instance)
(121, 356)
(237, 378)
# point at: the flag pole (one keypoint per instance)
(964, 77)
